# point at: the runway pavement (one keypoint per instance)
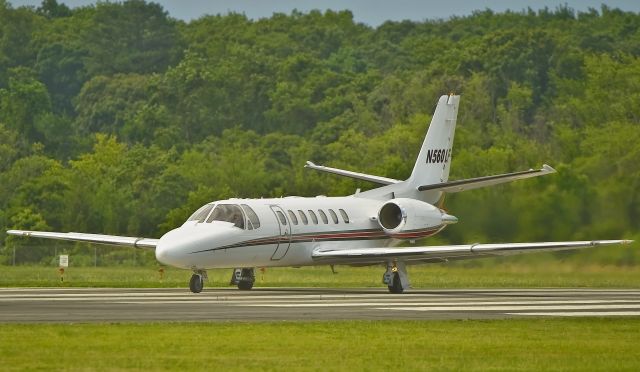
(260, 304)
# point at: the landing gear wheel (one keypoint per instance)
(396, 286)
(246, 279)
(196, 283)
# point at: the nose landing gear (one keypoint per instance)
(243, 278)
(197, 281)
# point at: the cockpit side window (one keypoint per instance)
(228, 213)
(201, 213)
(251, 215)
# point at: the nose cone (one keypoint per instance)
(191, 247)
(175, 248)
(448, 219)
(166, 250)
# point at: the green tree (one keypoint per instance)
(22, 102)
(131, 37)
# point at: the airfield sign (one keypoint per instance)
(64, 260)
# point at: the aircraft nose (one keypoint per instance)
(170, 250)
(163, 254)
(177, 247)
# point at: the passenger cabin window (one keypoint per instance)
(292, 217)
(334, 216)
(201, 213)
(282, 218)
(303, 217)
(323, 216)
(344, 214)
(313, 216)
(252, 217)
(228, 213)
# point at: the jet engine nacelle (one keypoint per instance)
(412, 219)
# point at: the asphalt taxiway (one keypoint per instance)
(262, 304)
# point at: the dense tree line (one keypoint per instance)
(118, 119)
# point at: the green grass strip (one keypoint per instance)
(516, 345)
(515, 275)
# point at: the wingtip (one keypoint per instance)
(548, 168)
(309, 164)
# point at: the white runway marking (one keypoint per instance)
(88, 304)
(452, 304)
(512, 308)
(584, 313)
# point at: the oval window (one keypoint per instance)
(334, 216)
(292, 217)
(323, 216)
(303, 217)
(314, 218)
(344, 214)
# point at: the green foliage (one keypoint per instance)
(116, 118)
(130, 37)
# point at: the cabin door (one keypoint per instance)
(284, 225)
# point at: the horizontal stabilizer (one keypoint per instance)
(356, 175)
(448, 252)
(476, 183)
(90, 238)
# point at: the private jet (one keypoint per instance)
(375, 227)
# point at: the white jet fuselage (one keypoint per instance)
(348, 222)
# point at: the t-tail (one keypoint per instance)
(429, 180)
(434, 160)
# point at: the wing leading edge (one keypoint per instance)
(360, 176)
(126, 241)
(475, 183)
(448, 252)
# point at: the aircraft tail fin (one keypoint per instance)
(434, 160)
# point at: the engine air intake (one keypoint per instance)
(390, 216)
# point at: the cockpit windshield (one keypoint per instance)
(201, 213)
(228, 213)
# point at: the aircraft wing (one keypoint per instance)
(447, 252)
(90, 238)
(356, 175)
(475, 183)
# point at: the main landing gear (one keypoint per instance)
(243, 278)
(396, 277)
(197, 281)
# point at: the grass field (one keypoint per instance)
(522, 345)
(545, 274)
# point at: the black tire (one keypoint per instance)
(245, 285)
(396, 287)
(196, 283)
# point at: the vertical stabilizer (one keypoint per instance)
(434, 160)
